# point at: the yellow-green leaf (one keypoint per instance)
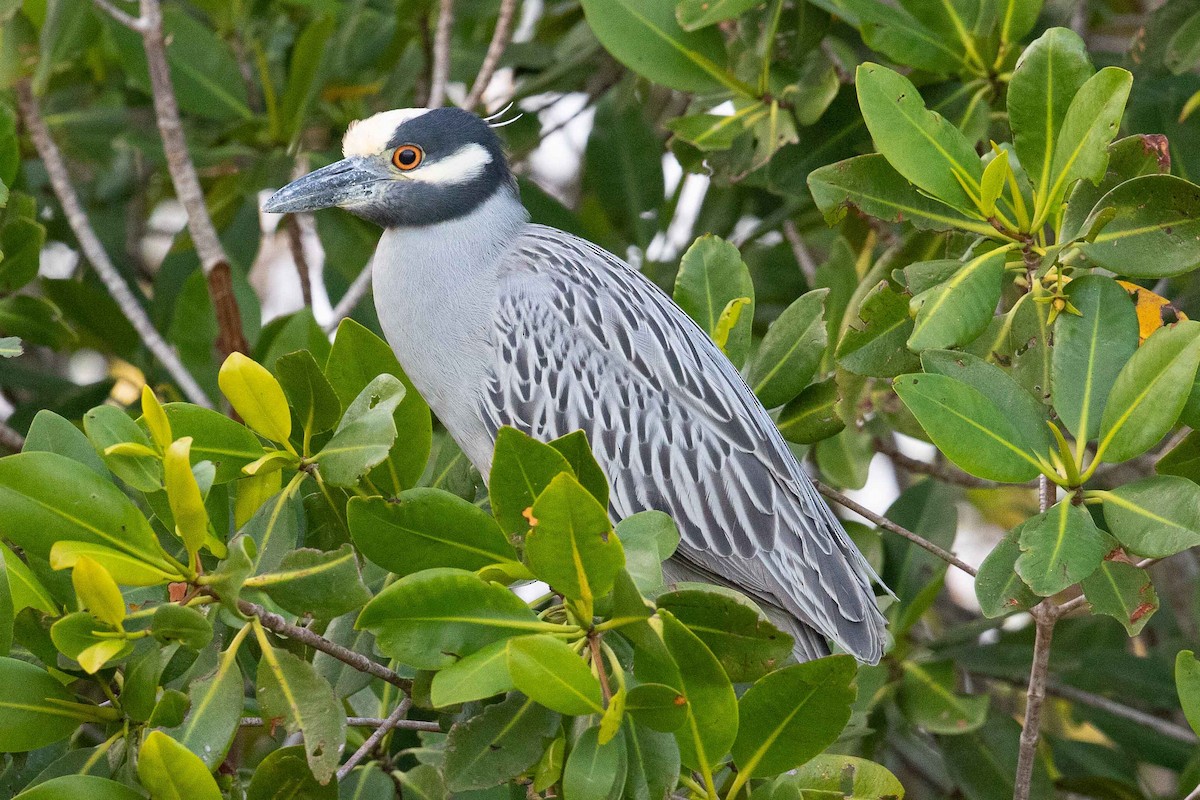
(256, 396)
(172, 772)
(183, 493)
(98, 592)
(155, 418)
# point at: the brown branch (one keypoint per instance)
(808, 265)
(1162, 726)
(273, 622)
(888, 525)
(94, 252)
(295, 240)
(350, 300)
(593, 641)
(441, 53)
(362, 722)
(213, 259)
(375, 738)
(500, 39)
(128, 20)
(11, 438)
(1044, 616)
(943, 472)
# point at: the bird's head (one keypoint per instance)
(403, 168)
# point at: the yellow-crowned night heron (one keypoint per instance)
(501, 322)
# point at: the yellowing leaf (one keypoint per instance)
(93, 658)
(994, 176)
(1150, 309)
(155, 418)
(98, 592)
(729, 320)
(183, 494)
(256, 396)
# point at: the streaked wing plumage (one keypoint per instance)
(582, 341)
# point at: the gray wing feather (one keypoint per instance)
(584, 342)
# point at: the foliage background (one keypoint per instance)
(733, 118)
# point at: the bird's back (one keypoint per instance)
(583, 341)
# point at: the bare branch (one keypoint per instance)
(500, 39)
(362, 722)
(11, 438)
(273, 622)
(295, 240)
(351, 298)
(1162, 726)
(887, 524)
(441, 53)
(808, 265)
(213, 259)
(93, 250)
(374, 739)
(128, 20)
(942, 472)
(1044, 616)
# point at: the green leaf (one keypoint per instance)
(714, 132)
(899, 35)
(648, 539)
(844, 776)
(172, 772)
(323, 584)
(955, 312)
(1149, 227)
(35, 709)
(657, 706)
(26, 590)
(284, 775)
(98, 592)
(711, 275)
(845, 458)
(497, 745)
(183, 493)
(874, 344)
(1046, 79)
(75, 636)
(290, 690)
(595, 771)
(215, 710)
(1091, 123)
(52, 433)
(256, 396)
(1123, 592)
(813, 415)
(712, 720)
(45, 498)
(549, 671)
(998, 588)
(622, 167)
(995, 180)
(790, 351)
(968, 427)
(1060, 547)
(357, 357)
(578, 452)
(571, 545)
(644, 36)
(1128, 158)
(216, 438)
(922, 146)
(482, 674)
(1150, 392)
(305, 74)
(308, 390)
(365, 434)
(1154, 517)
(929, 700)
(72, 787)
(1187, 684)
(984, 762)
(35, 320)
(426, 528)
(107, 426)
(694, 14)
(170, 709)
(746, 644)
(522, 468)
(652, 763)
(1183, 48)
(1089, 351)
(874, 187)
(790, 715)
(370, 781)
(431, 619)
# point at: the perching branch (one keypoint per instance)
(887, 524)
(351, 298)
(500, 39)
(374, 739)
(441, 53)
(93, 250)
(1161, 726)
(277, 624)
(362, 722)
(213, 259)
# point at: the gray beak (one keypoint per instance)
(342, 183)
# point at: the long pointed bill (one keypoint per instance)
(342, 183)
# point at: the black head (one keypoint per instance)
(406, 168)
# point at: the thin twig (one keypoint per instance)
(441, 53)
(808, 265)
(887, 524)
(351, 298)
(126, 19)
(273, 622)
(593, 641)
(374, 739)
(295, 240)
(213, 259)
(500, 39)
(1077, 602)
(93, 250)
(1162, 726)
(942, 472)
(362, 722)
(11, 438)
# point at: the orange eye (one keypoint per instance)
(407, 156)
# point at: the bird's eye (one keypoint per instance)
(407, 156)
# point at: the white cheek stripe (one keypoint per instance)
(463, 166)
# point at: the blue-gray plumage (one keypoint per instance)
(501, 322)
